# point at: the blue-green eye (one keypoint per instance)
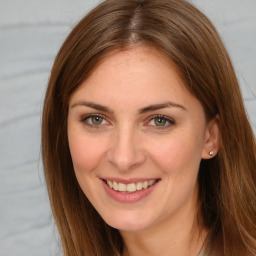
(94, 120)
(161, 121)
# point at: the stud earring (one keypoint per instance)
(211, 153)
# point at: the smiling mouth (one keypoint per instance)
(130, 187)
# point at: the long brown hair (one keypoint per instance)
(227, 183)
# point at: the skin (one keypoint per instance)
(128, 143)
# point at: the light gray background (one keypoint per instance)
(31, 32)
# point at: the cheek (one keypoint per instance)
(86, 153)
(176, 152)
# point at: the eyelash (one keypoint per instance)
(165, 118)
(85, 120)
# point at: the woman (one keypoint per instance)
(146, 146)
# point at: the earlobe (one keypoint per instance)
(212, 138)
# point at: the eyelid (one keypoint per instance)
(168, 119)
(86, 117)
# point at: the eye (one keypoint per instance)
(161, 121)
(94, 120)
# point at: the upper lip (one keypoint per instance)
(128, 181)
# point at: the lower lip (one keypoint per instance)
(126, 197)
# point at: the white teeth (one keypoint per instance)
(110, 183)
(121, 187)
(151, 182)
(139, 186)
(145, 184)
(131, 187)
(115, 186)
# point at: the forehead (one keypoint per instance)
(135, 61)
(140, 75)
(129, 80)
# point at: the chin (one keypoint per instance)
(128, 222)
(128, 226)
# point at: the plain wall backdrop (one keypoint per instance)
(31, 32)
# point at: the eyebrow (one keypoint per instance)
(92, 105)
(160, 106)
(146, 109)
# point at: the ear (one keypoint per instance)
(212, 138)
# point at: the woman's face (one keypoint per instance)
(136, 138)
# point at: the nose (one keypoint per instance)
(125, 151)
